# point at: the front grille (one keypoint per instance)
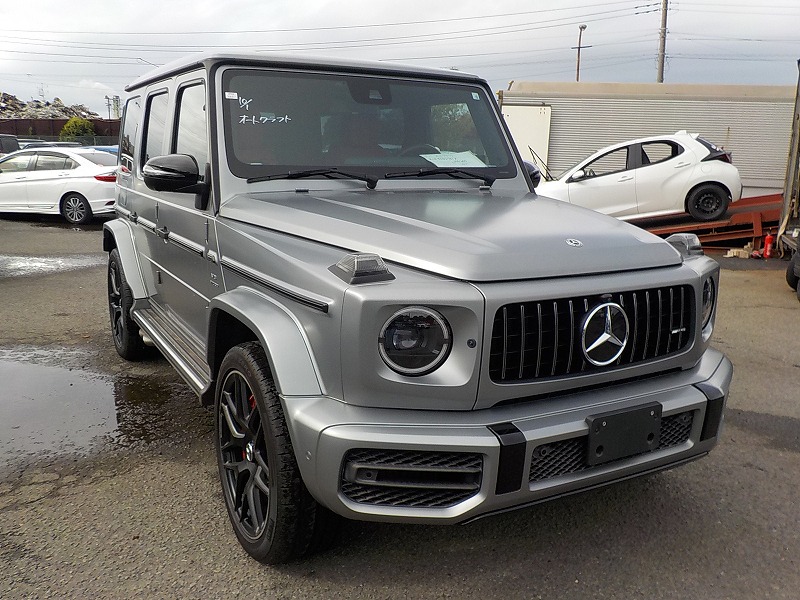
(532, 340)
(569, 456)
(410, 478)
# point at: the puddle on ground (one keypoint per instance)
(49, 412)
(24, 266)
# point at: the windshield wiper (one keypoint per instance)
(329, 173)
(451, 171)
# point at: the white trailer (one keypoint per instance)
(565, 122)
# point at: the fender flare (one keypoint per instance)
(118, 234)
(288, 350)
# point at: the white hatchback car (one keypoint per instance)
(652, 176)
(74, 182)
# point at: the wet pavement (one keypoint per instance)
(54, 409)
(22, 266)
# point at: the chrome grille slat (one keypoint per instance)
(652, 334)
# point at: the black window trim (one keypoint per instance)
(145, 122)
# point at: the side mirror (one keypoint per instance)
(578, 175)
(533, 172)
(173, 173)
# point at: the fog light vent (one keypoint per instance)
(410, 478)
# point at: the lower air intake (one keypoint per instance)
(411, 479)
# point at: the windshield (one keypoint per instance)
(281, 122)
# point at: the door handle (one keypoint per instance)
(682, 164)
(163, 232)
(625, 178)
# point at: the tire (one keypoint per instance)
(707, 202)
(798, 291)
(792, 269)
(75, 209)
(273, 514)
(124, 331)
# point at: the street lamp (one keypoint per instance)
(581, 29)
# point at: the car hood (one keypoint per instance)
(471, 236)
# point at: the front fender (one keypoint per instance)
(291, 361)
(118, 234)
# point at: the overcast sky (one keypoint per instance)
(84, 50)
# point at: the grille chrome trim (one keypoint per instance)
(518, 327)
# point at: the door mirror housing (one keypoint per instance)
(578, 175)
(173, 173)
(533, 172)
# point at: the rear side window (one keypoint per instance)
(656, 152)
(155, 126)
(127, 143)
(190, 135)
(51, 162)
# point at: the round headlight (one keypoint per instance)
(414, 341)
(708, 299)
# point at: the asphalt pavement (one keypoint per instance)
(109, 487)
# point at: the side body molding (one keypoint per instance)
(288, 350)
(118, 234)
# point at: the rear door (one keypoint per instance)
(188, 278)
(661, 179)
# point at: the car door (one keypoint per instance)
(143, 135)
(13, 177)
(47, 179)
(188, 278)
(661, 178)
(606, 184)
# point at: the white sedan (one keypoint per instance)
(74, 182)
(652, 176)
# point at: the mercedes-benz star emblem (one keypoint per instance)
(605, 334)
(574, 243)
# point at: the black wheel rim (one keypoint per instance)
(243, 456)
(115, 303)
(708, 203)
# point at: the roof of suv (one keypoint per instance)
(208, 60)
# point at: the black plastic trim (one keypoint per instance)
(511, 466)
(713, 418)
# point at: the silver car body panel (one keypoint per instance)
(256, 264)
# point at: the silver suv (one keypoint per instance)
(348, 262)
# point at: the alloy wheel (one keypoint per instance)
(242, 445)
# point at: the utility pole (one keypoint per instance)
(662, 41)
(581, 29)
(108, 106)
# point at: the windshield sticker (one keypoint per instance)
(244, 103)
(264, 118)
(476, 96)
(231, 96)
(454, 159)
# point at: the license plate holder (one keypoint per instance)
(622, 433)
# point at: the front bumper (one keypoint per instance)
(452, 466)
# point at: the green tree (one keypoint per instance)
(76, 128)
